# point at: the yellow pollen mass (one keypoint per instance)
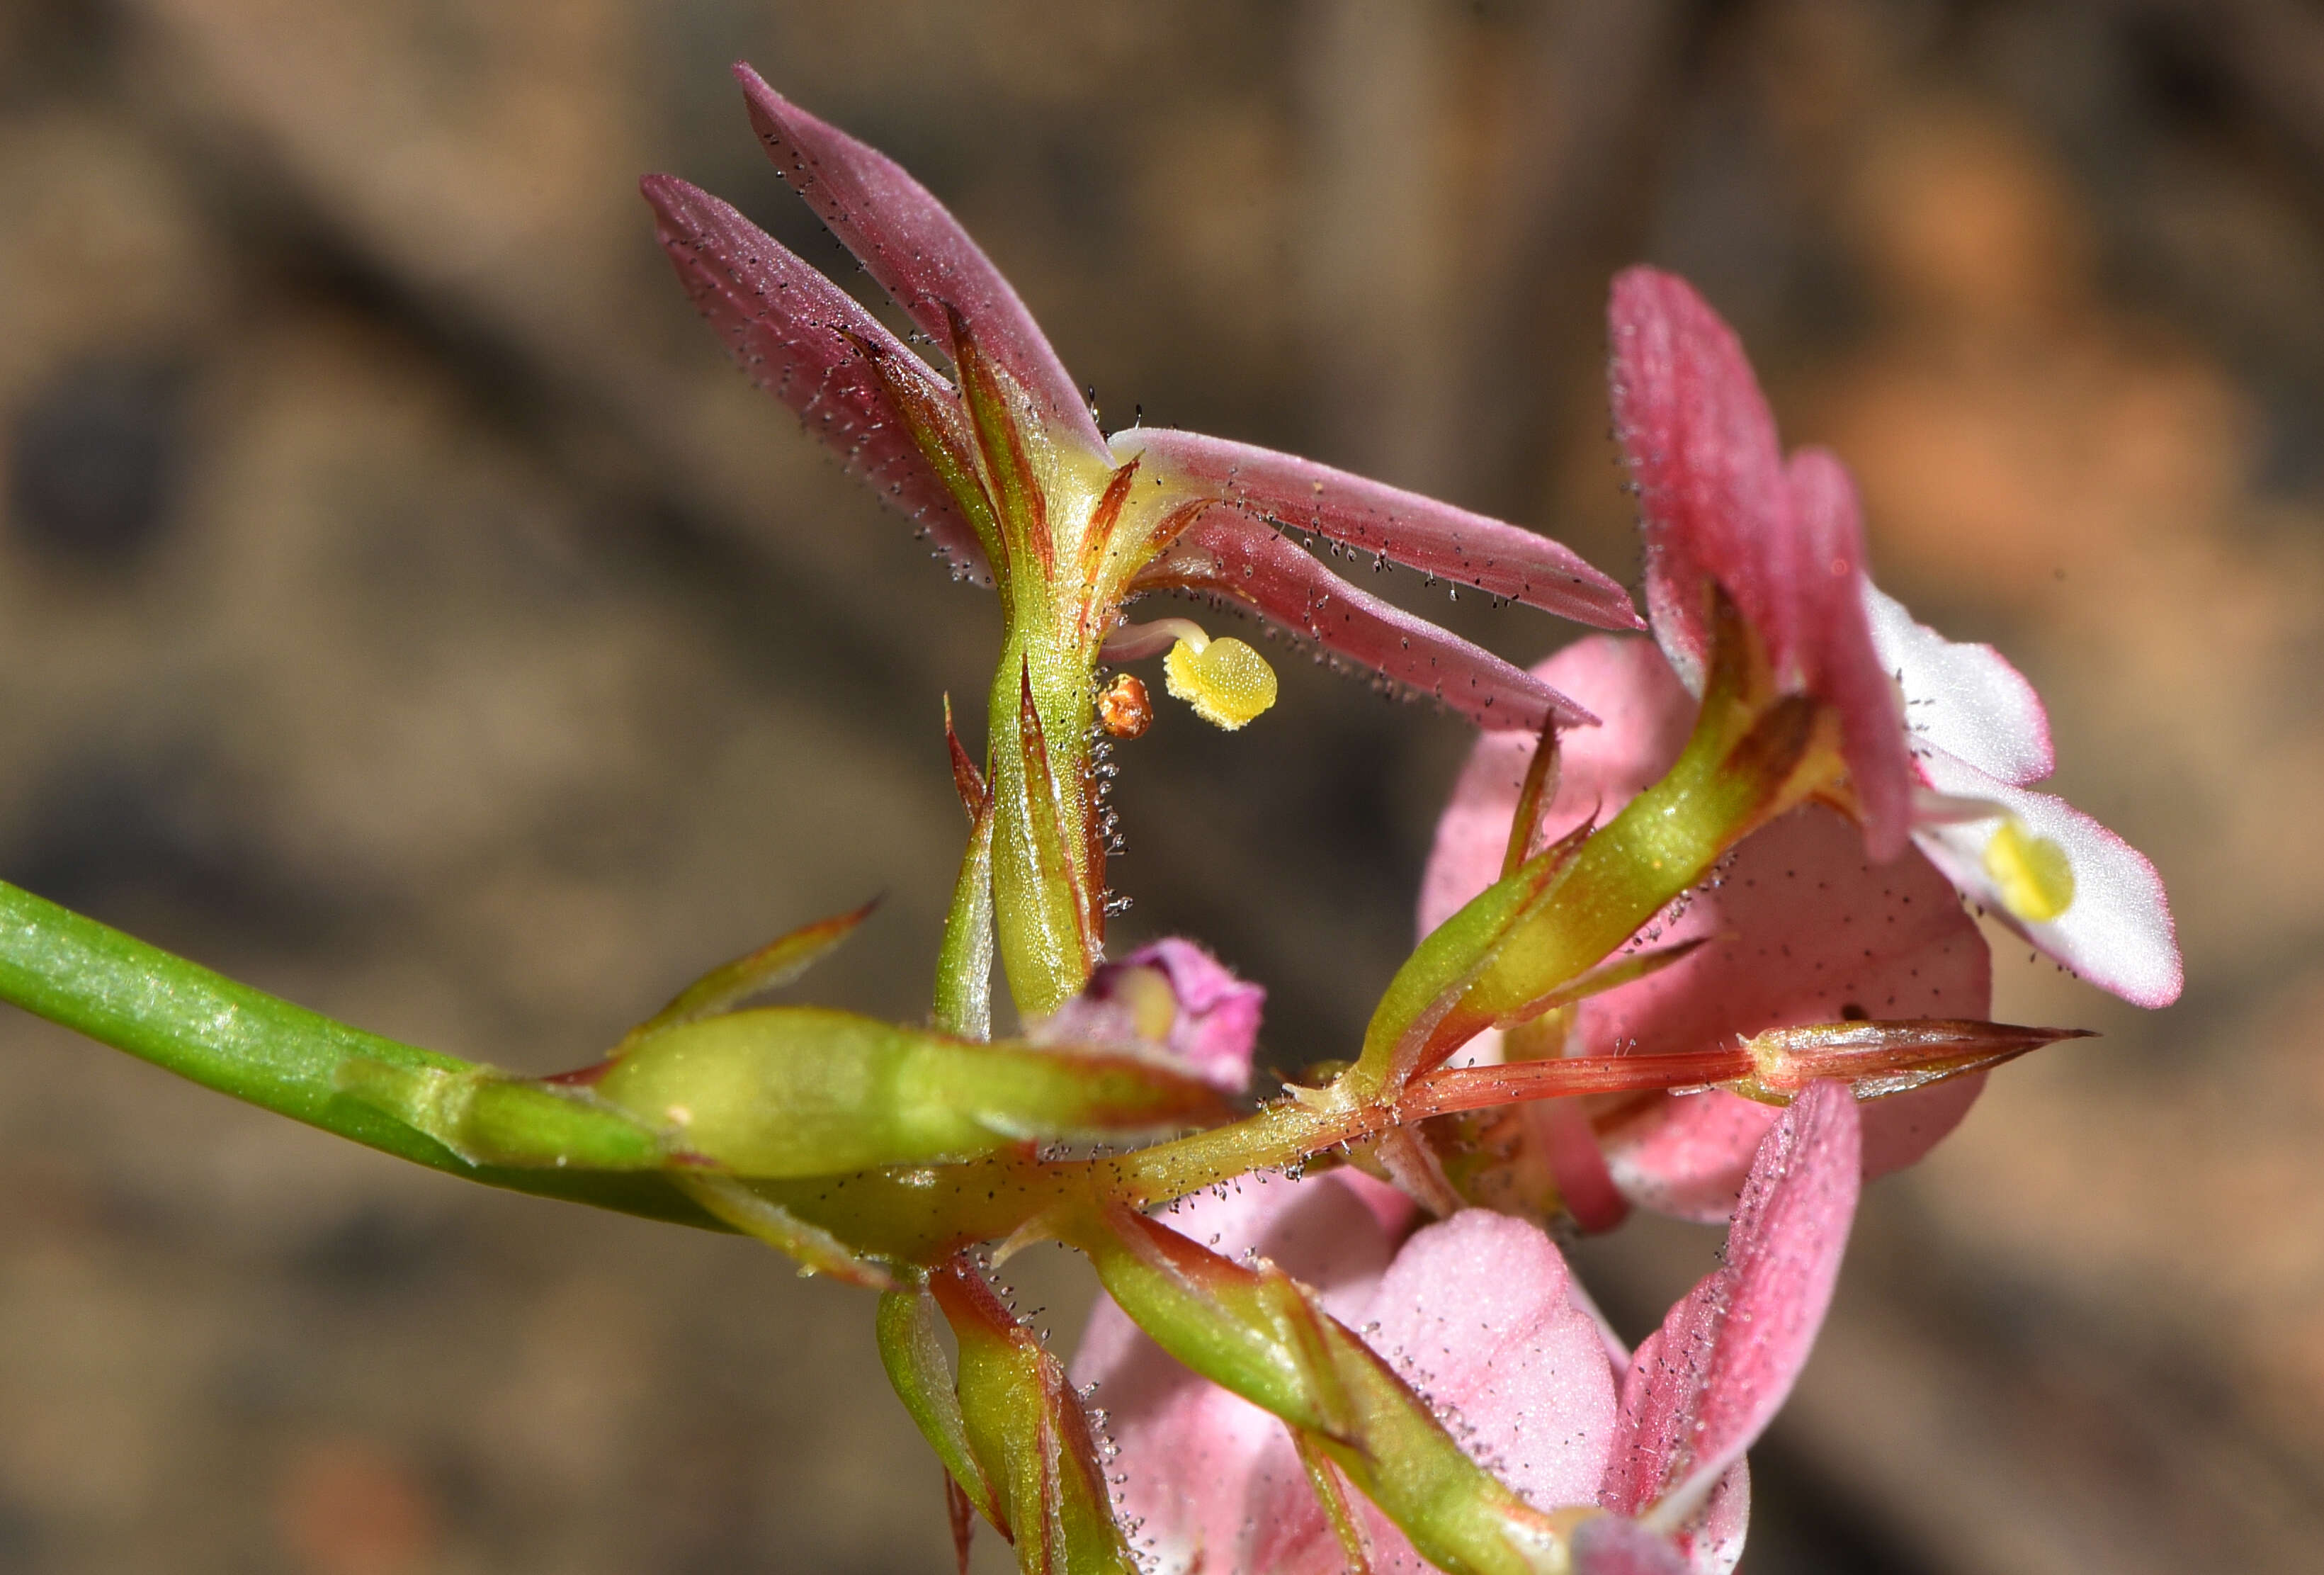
(1225, 680)
(2035, 878)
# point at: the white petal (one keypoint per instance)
(1964, 699)
(2117, 934)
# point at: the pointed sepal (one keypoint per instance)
(1450, 544)
(1030, 1441)
(492, 1117)
(778, 963)
(805, 341)
(917, 251)
(1051, 929)
(1238, 559)
(923, 1380)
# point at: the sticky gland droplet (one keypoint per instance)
(1226, 682)
(2033, 873)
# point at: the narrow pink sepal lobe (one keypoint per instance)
(1701, 447)
(1786, 541)
(1585, 1185)
(1837, 655)
(1451, 543)
(1704, 1387)
(920, 254)
(1714, 1538)
(1234, 556)
(804, 339)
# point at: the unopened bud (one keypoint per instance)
(805, 1091)
(1878, 1059)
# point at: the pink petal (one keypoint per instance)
(1786, 541)
(1964, 699)
(1188, 1453)
(1838, 657)
(2117, 934)
(1213, 1022)
(797, 334)
(1479, 1314)
(1701, 447)
(1806, 929)
(1231, 555)
(1391, 1209)
(1449, 543)
(1189, 1450)
(918, 252)
(1476, 1313)
(1686, 1156)
(1703, 1389)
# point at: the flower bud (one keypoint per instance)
(1876, 1058)
(807, 1091)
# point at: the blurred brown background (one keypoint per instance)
(403, 606)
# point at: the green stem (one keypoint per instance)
(258, 1048)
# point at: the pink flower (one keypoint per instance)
(1175, 997)
(1940, 738)
(1801, 928)
(1480, 1314)
(1812, 920)
(1003, 466)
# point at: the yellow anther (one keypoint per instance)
(1225, 680)
(2035, 878)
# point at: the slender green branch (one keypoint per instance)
(258, 1048)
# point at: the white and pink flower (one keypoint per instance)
(1813, 919)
